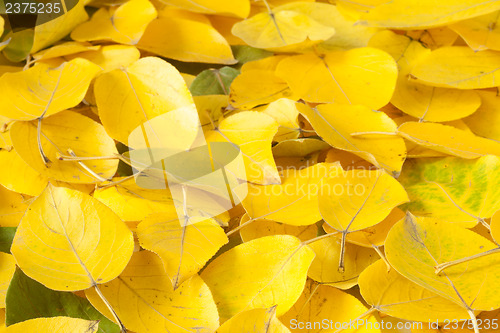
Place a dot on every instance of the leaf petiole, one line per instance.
(439, 268)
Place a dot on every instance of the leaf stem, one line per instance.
(341, 268)
(45, 159)
(439, 268)
(122, 327)
(89, 170)
(382, 256)
(474, 320)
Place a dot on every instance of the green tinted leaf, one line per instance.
(244, 53)
(6, 238)
(28, 299)
(213, 81)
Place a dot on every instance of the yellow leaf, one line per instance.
(48, 33)
(184, 249)
(478, 69)
(416, 245)
(426, 13)
(263, 227)
(254, 321)
(110, 57)
(238, 8)
(128, 202)
(480, 33)
(146, 89)
(324, 268)
(12, 207)
(418, 100)
(63, 131)
(485, 121)
(453, 189)
(132, 202)
(210, 109)
(64, 49)
(286, 114)
(318, 302)
(372, 236)
(253, 132)
(16, 174)
(284, 28)
(336, 124)
(295, 200)
(273, 270)
(256, 87)
(348, 34)
(364, 76)
(358, 199)
(124, 24)
(143, 297)
(448, 140)
(54, 325)
(393, 294)
(7, 269)
(42, 91)
(186, 40)
(69, 241)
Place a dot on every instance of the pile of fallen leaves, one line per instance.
(251, 166)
